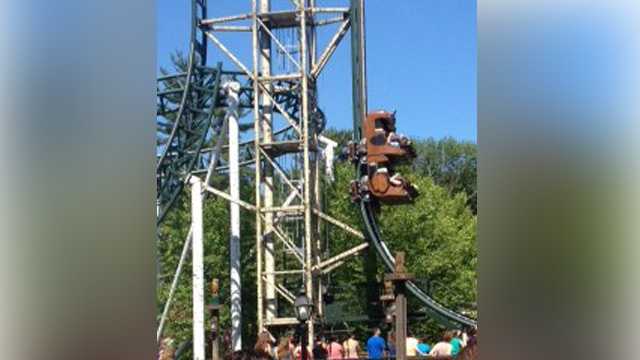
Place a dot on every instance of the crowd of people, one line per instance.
(454, 344)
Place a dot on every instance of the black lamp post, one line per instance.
(304, 309)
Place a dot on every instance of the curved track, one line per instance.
(186, 104)
(189, 128)
(435, 309)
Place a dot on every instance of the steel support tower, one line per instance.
(288, 95)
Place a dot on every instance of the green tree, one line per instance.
(451, 164)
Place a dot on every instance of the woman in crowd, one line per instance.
(284, 349)
(351, 347)
(263, 345)
(319, 349)
(334, 349)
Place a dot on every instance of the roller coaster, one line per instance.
(197, 106)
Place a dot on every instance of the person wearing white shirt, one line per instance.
(443, 348)
(412, 345)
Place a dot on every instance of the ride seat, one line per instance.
(391, 189)
(382, 143)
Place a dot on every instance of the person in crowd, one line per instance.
(260, 355)
(472, 334)
(391, 344)
(443, 348)
(423, 347)
(375, 345)
(167, 349)
(465, 337)
(411, 345)
(263, 345)
(351, 347)
(335, 350)
(246, 355)
(298, 349)
(470, 352)
(283, 351)
(319, 349)
(456, 343)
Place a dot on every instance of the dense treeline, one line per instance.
(438, 233)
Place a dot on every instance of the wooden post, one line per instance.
(401, 322)
(399, 278)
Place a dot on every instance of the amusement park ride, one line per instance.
(287, 153)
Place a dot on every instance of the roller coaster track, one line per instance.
(433, 308)
(186, 103)
(359, 83)
(187, 120)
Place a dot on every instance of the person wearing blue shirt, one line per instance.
(375, 345)
(456, 343)
(423, 348)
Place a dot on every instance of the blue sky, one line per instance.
(421, 61)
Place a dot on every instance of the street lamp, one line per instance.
(303, 308)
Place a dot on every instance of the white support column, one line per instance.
(233, 90)
(197, 269)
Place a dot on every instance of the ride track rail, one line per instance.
(373, 235)
(193, 95)
(437, 310)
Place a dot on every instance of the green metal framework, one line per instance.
(183, 128)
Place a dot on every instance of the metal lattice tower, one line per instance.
(288, 169)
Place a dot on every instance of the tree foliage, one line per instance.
(437, 232)
(451, 164)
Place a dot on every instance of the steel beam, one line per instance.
(341, 256)
(230, 198)
(174, 284)
(331, 48)
(339, 224)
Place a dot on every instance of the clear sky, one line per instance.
(421, 59)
